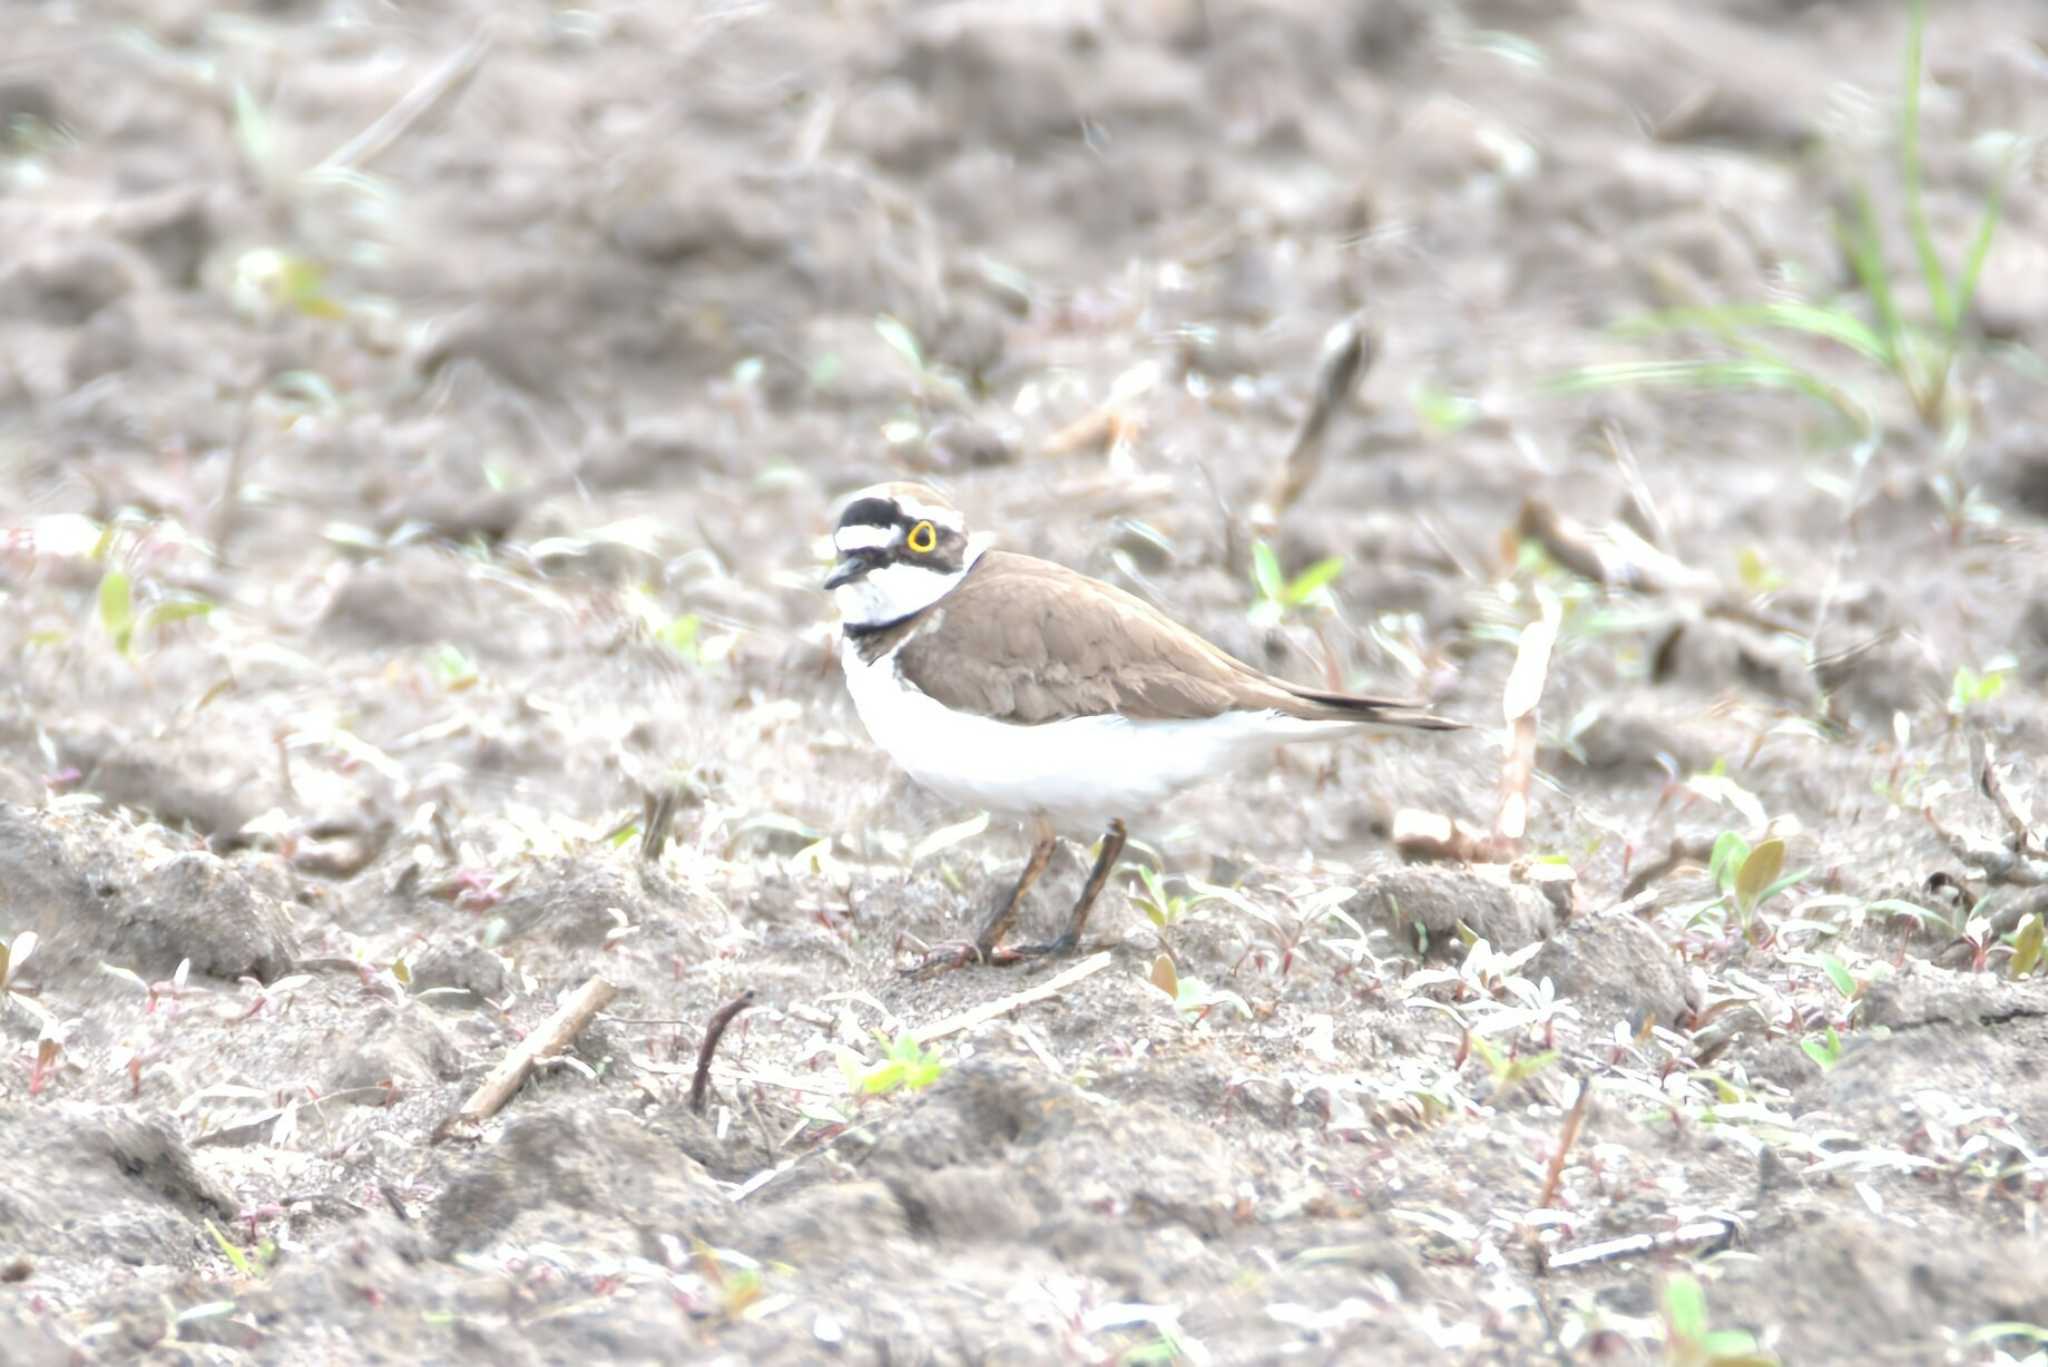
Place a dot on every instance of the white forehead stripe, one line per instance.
(860, 537)
(924, 512)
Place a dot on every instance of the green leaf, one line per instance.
(1759, 867)
(1737, 373)
(1311, 580)
(900, 339)
(302, 283)
(945, 837)
(1838, 974)
(231, 1250)
(1733, 1348)
(679, 634)
(2008, 1329)
(1932, 273)
(1726, 320)
(117, 609)
(1528, 1066)
(252, 130)
(175, 610)
(1826, 1051)
(908, 1064)
(1863, 244)
(454, 668)
(1980, 244)
(1685, 1308)
(2026, 945)
(1266, 572)
(1441, 411)
(1755, 572)
(1731, 851)
(1782, 883)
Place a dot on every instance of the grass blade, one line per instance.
(1865, 247)
(1931, 269)
(1980, 245)
(1814, 320)
(1306, 584)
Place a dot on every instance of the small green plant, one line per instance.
(1279, 595)
(454, 669)
(1508, 1071)
(1970, 688)
(679, 634)
(1919, 355)
(118, 617)
(907, 1064)
(1163, 908)
(1442, 412)
(1824, 1049)
(1747, 876)
(1194, 998)
(733, 1278)
(1691, 1341)
(249, 1265)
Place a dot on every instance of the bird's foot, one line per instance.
(1065, 946)
(949, 955)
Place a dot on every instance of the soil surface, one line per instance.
(419, 429)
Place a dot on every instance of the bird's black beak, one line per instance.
(852, 566)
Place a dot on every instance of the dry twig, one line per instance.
(1349, 353)
(1993, 860)
(1574, 1121)
(714, 1031)
(1700, 1236)
(1985, 762)
(1003, 1006)
(433, 90)
(552, 1037)
(1615, 557)
(1681, 853)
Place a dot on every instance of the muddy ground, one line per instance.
(418, 428)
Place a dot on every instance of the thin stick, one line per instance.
(1003, 1006)
(1519, 699)
(714, 1030)
(1985, 761)
(1351, 350)
(429, 94)
(1573, 1122)
(1704, 1235)
(1641, 511)
(1997, 863)
(1682, 852)
(554, 1035)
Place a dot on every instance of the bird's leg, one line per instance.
(1105, 864)
(987, 946)
(1044, 841)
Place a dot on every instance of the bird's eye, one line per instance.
(923, 537)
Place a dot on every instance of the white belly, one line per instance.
(1078, 773)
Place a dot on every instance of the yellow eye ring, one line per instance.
(923, 538)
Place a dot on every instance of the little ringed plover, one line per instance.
(1017, 685)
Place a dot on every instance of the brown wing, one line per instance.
(1029, 641)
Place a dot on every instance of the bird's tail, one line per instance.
(1320, 706)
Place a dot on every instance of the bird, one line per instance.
(1017, 685)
